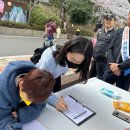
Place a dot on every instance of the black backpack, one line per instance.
(38, 52)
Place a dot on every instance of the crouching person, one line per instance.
(24, 90)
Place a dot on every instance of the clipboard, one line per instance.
(77, 111)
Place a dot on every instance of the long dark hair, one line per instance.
(80, 45)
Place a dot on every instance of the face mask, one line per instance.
(71, 65)
(26, 101)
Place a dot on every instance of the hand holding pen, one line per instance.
(61, 105)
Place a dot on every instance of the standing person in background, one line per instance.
(51, 28)
(65, 25)
(76, 53)
(104, 37)
(46, 30)
(93, 72)
(119, 58)
(98, 27)
(58, 30)
(78, 31)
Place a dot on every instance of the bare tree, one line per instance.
(31, 9)
(62, 9)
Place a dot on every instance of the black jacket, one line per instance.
(114, 51)
(103, 42)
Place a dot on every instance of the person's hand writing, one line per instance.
(61, 105)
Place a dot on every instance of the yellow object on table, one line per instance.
(124, 106)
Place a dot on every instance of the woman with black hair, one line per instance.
(75, 53)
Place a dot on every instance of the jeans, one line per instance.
(50, 37)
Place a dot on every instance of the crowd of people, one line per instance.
(25, 88)
(111, 60)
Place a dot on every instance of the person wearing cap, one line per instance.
(119, 58)
(104, 37)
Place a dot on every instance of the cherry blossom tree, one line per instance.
(118, 7)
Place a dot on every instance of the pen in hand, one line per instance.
(61, 105)
(64, 103)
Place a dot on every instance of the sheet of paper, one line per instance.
(76, 111)
(34, 125)
(74, 108)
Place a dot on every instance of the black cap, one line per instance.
(109, 17)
